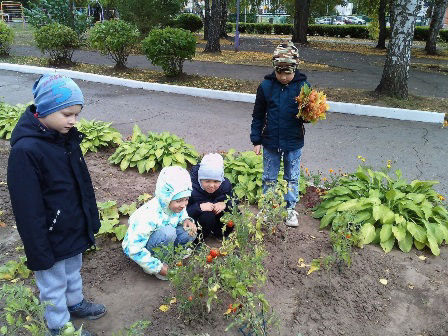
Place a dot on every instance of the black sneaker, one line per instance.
(87, 310)
(69, 325)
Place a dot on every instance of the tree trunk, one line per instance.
(214, 28)
(394, 81)
(382, 24)
(206, 18)
(301, 15)
(436, 24)
(223, 32)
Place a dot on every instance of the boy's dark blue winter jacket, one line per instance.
(199, 195)
(274, 121)
(51, 193)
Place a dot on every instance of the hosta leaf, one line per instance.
(158, 153)
(417, 198)
(362, 216)
(327, 219)
(167, 160)
(400, 233)
(394, 194)
(418, 232)
(419, 245)
(141, 166)
(388, 244)
(348, 205)
(120, 231)
(368, 233)
(386, 232)
(432, 244)
(405, 244)
(124, 164)
(319, 213)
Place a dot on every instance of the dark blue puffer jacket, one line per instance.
(274, 121)
(199, 195)
(51, 193)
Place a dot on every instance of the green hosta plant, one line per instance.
(97, 134)
(110, 220)
(389, 210)
(9, 116)
(245, 171)
(153, 151)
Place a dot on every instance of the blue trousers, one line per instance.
(271, 168)
(60, 285)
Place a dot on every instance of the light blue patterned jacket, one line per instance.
(156, 214)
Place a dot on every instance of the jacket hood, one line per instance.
(298, 76)
(171, 181)
(29, 126)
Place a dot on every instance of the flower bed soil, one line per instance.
(348, 301)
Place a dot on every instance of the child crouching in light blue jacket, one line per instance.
(161, 221)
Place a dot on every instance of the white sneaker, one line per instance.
(291, 219)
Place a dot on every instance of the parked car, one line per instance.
(323, 21)
(355, 20)
(338, 22)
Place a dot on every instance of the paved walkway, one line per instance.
(419, 149)
(359, 71)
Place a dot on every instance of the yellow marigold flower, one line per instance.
(331, 171)
(388, 166)
(306, 170)
(441, 197)
(359, 157)
(324, 178)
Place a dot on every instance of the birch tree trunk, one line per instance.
(214, 28)
(382, 25)
(394, 81)
(301, 15)
(436, 24)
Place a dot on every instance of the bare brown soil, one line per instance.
(346, 301)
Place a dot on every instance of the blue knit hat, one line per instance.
(54, 92)
(211, 168)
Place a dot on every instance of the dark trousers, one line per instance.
(211, 224)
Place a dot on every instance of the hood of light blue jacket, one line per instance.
(172, 180)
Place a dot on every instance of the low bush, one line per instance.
(282, 29)
(9, 116)
(388, 210)
(153, 151)
(115, 38)
(58, 41)
(421, 33)
(263, 28)
(6, 38)
(169, 48)
(97, 134)
(189, 22)
(444, 35)
(354, 31)
(230, 27)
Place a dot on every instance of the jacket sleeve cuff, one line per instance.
(256, 143)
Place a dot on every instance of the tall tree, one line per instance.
(224, 14)
(206, 18)
(214, 28)
(439, 7)
(301, 15)
(382, 35)
(394, 81)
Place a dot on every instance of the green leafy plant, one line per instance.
(169, 48)
(115, 38)
(228, 279)
(14, 269)
(97, 134)
(58, 41)
(244, 170)
(187, 21)
(110, 220)
(389, 210)
(6, 38)
(153, 151)
(9, 116)
(139, 328)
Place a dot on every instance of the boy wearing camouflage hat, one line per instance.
(276, 127)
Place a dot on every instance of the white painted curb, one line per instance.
(358, 109)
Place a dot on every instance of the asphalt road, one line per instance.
(419, 149)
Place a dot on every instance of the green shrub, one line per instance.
(153, 151)
(444, 35)
(230, 27)
(354, 31)
(263, 28)
(421, 33)
(9, 116)
(115, 38)
(191, 22)
(6, 38)
(97, 134)
(389, 210)
(242, 27)
(169, 48)
(282, 29)
(58, 41)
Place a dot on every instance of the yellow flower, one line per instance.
(331, 171)
(306, 170)
(388, 166)
(441, 197)
(359, 157)
(324, 178)
(363, 160)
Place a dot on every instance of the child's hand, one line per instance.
(207, 206)
(164, 270)
(257, 149)
(190, 227)
(219, 207)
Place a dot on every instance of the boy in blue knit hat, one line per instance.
(53, 199)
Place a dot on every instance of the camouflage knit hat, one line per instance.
(286, 53)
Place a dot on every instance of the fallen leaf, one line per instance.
(313, 268)
(2, 224)
(228, 311)
(383, 281)
(422, 257)
(173, 300)
(164, 308)
(313, 237)
(411, 286)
